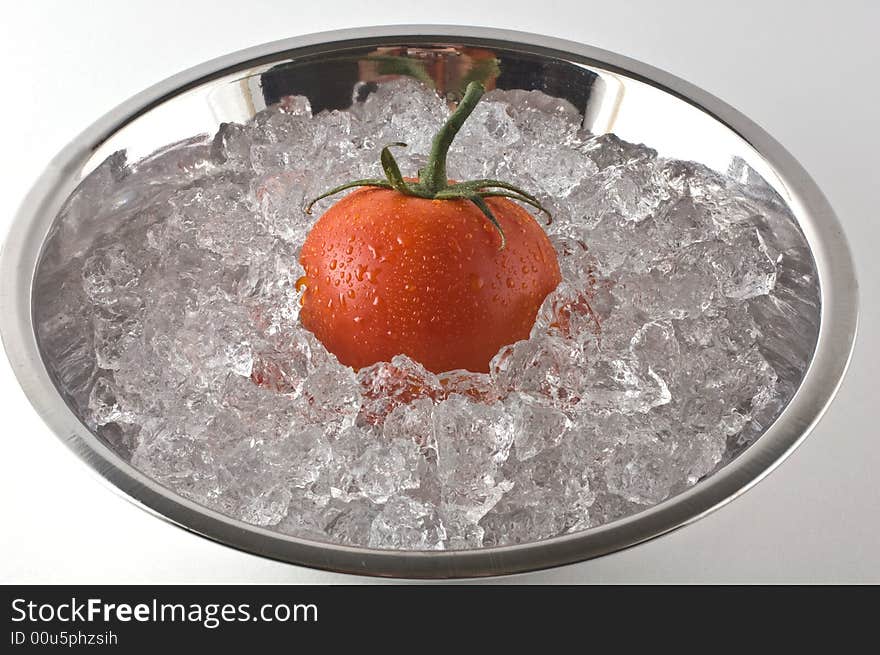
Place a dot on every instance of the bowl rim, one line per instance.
(838, 325)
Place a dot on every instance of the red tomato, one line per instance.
(389, 273)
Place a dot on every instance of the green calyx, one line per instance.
(432, 182)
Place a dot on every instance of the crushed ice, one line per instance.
(167, 312)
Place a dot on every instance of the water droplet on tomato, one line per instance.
(510, 283)
(477, 282)
(333, 265)
(375, 301)
(301, 283)
(351, 294)
(359, 272)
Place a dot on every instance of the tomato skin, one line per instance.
(388, 273)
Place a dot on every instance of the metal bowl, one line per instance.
(635, 101)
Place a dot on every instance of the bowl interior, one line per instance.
(610, 100)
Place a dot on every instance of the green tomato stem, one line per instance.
(434, 178)
(433, 182)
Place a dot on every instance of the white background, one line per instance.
(807, 72)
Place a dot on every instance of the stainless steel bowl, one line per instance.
(635, 101)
